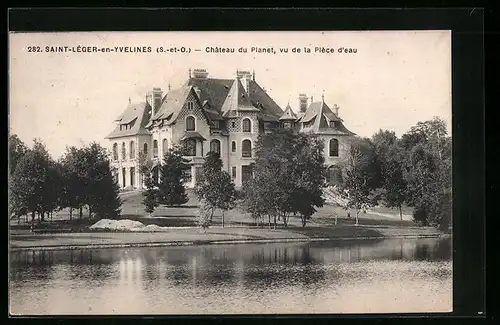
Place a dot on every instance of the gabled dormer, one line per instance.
(289, 118)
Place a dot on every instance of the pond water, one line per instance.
(396, 275)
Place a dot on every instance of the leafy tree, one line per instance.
(391, 157)
(361, 176)
(74, 179)
(394, 184)
(17, 149)
(145, 165)
(150, 199)
(102, 192)
(29, 183)
(288, 176)
(171, 187)
(215, 185)
(428, 172)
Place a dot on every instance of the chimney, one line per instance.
(245, 77)
(303, 102)
(157, 97)
(200, 74)
(149, 98)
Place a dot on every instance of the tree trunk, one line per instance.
(284, 220)
(304, 220)
(274, 222)
(70, 213)
(211, 214)
(32, 220)
(357, 220)
(222, 218)
(51, 216)
(269, 218)
(42, 216)
(81, 213)
(400, 213)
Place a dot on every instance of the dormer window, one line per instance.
(333, 124)
(216, 124)
(190, 105)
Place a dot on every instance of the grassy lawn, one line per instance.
(186, 215)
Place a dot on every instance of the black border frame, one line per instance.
(467, 25)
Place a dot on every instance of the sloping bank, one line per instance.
(127, 233)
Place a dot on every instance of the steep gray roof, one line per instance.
(136, 116)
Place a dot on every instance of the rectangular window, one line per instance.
(246, 173)
(124, 178)
(233, 172)
(216, 124)
(132, 176)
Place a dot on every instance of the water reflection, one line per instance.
(192, 276)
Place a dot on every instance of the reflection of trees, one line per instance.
(36, 265)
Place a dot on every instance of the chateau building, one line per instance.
(223, 115)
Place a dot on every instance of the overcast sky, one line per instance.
(395, 79)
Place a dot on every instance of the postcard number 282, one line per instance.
(34, 49)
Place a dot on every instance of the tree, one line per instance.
(17, 149)
(74, 176)
(150, 199)
(101, 188)
(391, 158)
(145, 165)
(428, 172)
(394, 184)
(29, 183)
(288, 176)
(361, 176)
(171, 187)
(215, 185)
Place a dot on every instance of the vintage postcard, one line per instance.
(253, 173)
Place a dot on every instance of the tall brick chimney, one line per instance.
(245, 77)
(157, 97)
(303, 102)
(200, 73)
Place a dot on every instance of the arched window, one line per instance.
(124, 151)
(246, 148)
(190, 123)
(155, 148)
(132, 150)
(233, 146)
(164, 146)
(334, 148)
(190, 146)
(215, 146)
(145, 148)
(115, 151)
(247, 125)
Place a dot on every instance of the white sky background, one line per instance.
(395, 79)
